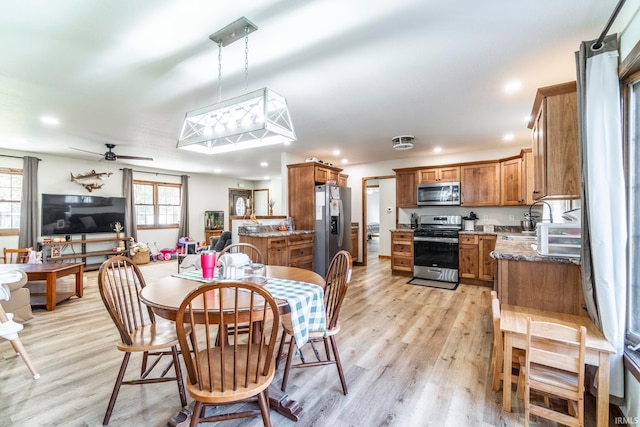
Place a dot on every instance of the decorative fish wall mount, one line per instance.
(92, 180)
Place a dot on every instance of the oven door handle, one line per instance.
(435, 239)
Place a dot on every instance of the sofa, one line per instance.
(20, 300)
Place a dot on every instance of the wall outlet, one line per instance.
(512, 218)
(486, 218)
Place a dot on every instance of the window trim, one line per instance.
(155, 185)
(12, 171)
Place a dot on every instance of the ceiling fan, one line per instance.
(111, 156)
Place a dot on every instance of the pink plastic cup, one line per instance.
(208, 262)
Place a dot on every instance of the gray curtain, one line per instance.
(183, 227)
(130, 204)
(28, 237)
(604, 229)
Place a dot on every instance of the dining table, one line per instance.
(290, 286)
(513, 323)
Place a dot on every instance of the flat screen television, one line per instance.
(69, 214)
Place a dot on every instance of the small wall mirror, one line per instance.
(239, 200)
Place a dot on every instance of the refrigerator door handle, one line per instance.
(341, 224)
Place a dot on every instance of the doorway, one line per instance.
(375, 194)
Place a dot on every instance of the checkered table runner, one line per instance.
(306, 302)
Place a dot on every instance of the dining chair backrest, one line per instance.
(250, 250)
(120, 283)
(336, 282)
(555, 364)
(16, 256)
(229, 368)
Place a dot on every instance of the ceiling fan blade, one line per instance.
(133, 157)
(86, 151)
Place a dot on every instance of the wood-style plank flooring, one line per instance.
(413, 356)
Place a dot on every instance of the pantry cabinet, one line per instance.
(555, 143)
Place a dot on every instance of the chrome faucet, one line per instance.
(548, 205)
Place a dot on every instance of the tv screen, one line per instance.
(69, 214)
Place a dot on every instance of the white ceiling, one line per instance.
(355, 74)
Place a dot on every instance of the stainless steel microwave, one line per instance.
(439, 194)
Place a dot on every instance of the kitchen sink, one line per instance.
(519, 238)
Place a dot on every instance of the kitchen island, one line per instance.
(287, 248)
(528, 279)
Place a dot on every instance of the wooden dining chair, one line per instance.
(242, 367)
(120, 282)
(336, 284)
(555, 365)
(250, 250)
(16, 256)
(497, 356)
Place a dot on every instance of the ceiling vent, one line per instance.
(403, 142)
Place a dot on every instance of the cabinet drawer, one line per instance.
(298, 239)
(278, 243)
(468, 239)
(402, 236)
(402, 263)
(300, 252)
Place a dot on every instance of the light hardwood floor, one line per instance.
(413, 356)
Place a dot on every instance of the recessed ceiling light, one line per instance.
(266, 178)
(508, 137)
(437, 149)
(336, 152)
(264, 164)
(513, 86)
(50, 120)
(345, 161)
(217, 170)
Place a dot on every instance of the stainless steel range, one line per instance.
(435, 248)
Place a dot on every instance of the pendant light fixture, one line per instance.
(255, 119)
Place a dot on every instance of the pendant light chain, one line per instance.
(220, 71)
(246, 58)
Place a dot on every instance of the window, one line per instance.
(157, 204)
(10, 199)
(633, 188)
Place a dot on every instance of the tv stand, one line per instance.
(68, 250)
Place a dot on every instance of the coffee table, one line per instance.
(50, 272)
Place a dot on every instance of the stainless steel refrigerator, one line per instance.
(332, 224)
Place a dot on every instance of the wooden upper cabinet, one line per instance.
(555, 142)
(406, 189)
(527, 175)
(512, 190)
(302, 179)
(342, 179)
(480, 184)
(440, 174)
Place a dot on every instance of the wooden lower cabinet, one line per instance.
(543, 285)
(354, 242)
(208, 234)
(295, 250)
(402, 252)
(475, 265)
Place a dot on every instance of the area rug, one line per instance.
(433, 283)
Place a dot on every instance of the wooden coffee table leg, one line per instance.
(80, 281)
(51, 291)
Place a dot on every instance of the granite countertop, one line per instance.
(275, 233)
(517, 250)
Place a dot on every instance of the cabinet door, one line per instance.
(511, 174)
(480, 184)
(468, 261)
(406, 189)
(561, 145)
(342, 180)
(450, 174)
(354, 243)
(486, 244)
(428, 175)
(277, 252)
(527, 177)
(322, 175)
(539, 154)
